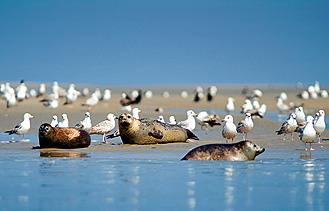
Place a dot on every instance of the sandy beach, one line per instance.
(262, 134)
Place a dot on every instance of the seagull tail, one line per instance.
(191, 135)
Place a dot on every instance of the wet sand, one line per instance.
(263, 133)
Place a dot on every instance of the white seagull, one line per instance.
(245, 126)
(85, 124)
(189, 123)
(135, 113)
(320, 124)
(172, 120)
(54, 121)
(104, 127)
(64, 122)
(229, 128)
(308, 134)
(229, 108)
(23, 127)
(300, 115)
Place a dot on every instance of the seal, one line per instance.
(150, 131)
(66, 138)
(241, 151)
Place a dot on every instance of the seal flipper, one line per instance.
(158, 134)
(191, 135)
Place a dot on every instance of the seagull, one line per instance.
(54, 121)
(92, 101)
(245, 126)
(51, 104)
(64, 122)
(127, 100)
(104, 127)
(320, 124)
(300, 115)
(282, 107)
(135, 113)
(85, 124)
(204, 119)
(189, 123)
(23, 127)
(172, 120)
(50, 97)
(42, 90)
(229, 108)
(21, 90)
(247, 106)
(229, 128)
(161, 119)
(289, 126)
(107, 95)
(308, 134)
(72, 95)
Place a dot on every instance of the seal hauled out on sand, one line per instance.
(241, 151)
(149, 131)
(68, 137)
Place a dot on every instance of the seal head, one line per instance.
(53, 137)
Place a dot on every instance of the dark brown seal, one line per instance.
(55, 137)
(149, 131)
(241, 151)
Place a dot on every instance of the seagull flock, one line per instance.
(308, 127)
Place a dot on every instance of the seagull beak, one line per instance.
(32, 117)
(195, 115)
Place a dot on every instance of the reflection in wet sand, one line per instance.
(64, 154)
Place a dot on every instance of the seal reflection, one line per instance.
(64, 154)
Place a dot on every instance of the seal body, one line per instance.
(241, 151)
(54, 137)
(149, 131)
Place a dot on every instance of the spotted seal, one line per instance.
(54, 137)
(149, 131)
(241, 151)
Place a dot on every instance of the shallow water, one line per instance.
(98, 182)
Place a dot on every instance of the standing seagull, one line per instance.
(104, 127)
(229, 108)
(135, 113)
(54, 121)
(189, 123)
(85, 124)
(23, 127)
(289, 126)
(64, 122)
(300, 115)
(320, 124)
(229, 128)
(172, 120)
(308, 134)
(245, 126)
(204, 119)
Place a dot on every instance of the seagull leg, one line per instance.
(311, 146)
(319, 139)
(284, 137)
(103, 140)
(292, 138)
